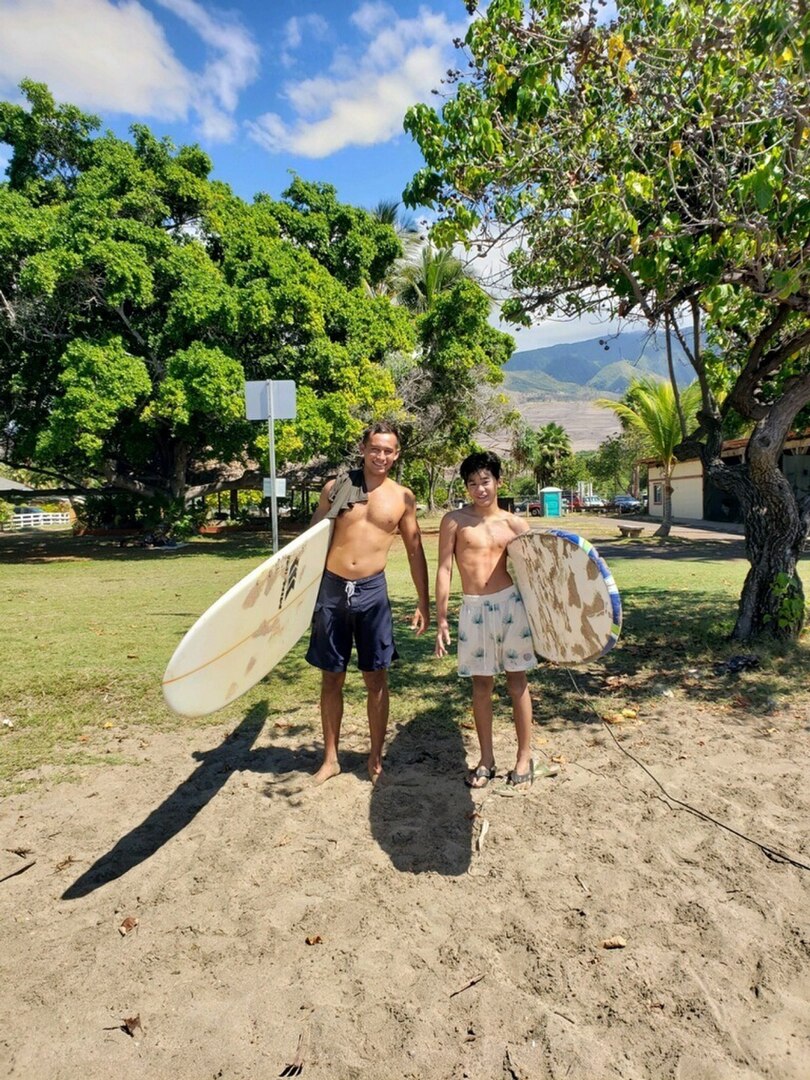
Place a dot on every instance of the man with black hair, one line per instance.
(369, 509)
(493, 630)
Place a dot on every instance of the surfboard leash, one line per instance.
(771, 853)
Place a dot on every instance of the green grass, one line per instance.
(88, 627)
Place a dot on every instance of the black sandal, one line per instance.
(479, 773)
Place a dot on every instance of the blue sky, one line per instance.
(318, 87)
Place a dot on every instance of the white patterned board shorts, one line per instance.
(494, 634)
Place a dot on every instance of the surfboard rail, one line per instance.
(241, 637)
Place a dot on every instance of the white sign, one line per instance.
(267, 488)
(257, 405)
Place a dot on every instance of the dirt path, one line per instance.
(391, 932)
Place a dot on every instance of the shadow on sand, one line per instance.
(177, 811)
(420, 813)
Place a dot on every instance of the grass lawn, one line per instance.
(88, 627)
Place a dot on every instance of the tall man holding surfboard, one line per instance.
(493, 630)
(369, 509)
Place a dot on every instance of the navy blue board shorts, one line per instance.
(352, 612)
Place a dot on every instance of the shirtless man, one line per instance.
(493, 631)
(353, 603)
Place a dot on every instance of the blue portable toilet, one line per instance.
(551, 501)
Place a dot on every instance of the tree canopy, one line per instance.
(137, 295)
(654, 163)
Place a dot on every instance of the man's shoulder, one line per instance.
(399, 491)
(457, 517)
(518, 524)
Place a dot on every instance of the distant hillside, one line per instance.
(587, 369)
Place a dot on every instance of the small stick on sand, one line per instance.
(472, 982)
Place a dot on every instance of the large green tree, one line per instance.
(137, 295)
(655, 163)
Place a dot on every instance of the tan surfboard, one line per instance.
(245, 633)
(571, 600)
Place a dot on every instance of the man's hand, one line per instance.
(420, 620)
(442, 639)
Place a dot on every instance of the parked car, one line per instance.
(625, 504)
(593, 502)
(521, 507)
(535, 508)
(571, 500)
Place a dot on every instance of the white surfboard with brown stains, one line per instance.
(242, 636)
(571, 600)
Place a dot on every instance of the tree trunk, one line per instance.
(772, 598)
(433, 480)
(666, 510)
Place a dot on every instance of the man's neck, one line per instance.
(373, 482)
(487, 511)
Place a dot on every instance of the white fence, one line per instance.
(31, 521)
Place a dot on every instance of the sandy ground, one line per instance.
(415, 929)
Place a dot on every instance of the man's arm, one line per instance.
(322, 509)
(412, 538)
(444, 574)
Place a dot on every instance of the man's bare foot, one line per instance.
(375, 770)
(326, 772)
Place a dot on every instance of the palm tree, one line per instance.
(404, 224)
(651, 407)
(417, 282)
(552, 445)
(541, 450)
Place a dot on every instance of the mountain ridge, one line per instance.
(560, 383)
(596, 366)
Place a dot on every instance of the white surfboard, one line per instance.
(242, 636)
(571, 599)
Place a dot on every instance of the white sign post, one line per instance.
(271, 400)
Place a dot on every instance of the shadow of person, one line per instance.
(178, 810)
(420, 812)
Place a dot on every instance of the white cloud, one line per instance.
(295, 30)
(362, 100)
(299, 25)
(95, 55)
(116, 58)
(369, 17)
(233, 66)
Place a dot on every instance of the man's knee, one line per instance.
(516, 683)
(483, 684)
(376, 681)
(332, 681)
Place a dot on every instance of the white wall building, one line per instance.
(687, 489)
(694, 497)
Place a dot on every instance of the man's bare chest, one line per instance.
(377, 514)
(485, 536)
